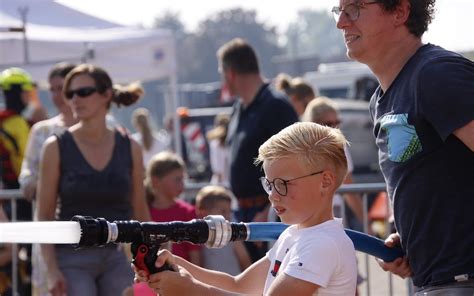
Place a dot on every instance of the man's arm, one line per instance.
(466, 134)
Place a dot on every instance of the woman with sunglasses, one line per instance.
(91, 170)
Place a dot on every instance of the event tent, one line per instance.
(55, 33)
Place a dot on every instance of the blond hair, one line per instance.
(160, 165)
(219, 131)
(209, 195)
(164, 163)
(295, 86)
(317, 108)
(315, 146)
(142, 122)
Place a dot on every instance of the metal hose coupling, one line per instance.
(221, 231)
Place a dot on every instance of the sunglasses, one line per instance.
(80, 92)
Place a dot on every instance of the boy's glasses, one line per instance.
(80, 92)
(352, 11)
(280, 185)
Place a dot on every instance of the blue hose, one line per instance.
(267, 231)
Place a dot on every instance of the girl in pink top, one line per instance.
(165, 183)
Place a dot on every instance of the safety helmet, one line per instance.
(12, 76)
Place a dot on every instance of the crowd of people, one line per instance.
(279, 156)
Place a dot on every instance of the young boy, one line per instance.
(304, 164)
(233, 258)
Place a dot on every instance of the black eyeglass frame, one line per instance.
(265, 182)
(337, 10)
(81, 92)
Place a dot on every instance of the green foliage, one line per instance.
(313, 33)
(197, 60)
(172, 21)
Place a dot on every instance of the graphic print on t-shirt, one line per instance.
(401, 137)
(276, 267)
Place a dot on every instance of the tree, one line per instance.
(172, 21)
(314, 33)
(197, 59)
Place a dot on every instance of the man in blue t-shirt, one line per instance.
(259, 113)
(423, 112)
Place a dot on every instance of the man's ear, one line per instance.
(402, 12)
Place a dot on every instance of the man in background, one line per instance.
(259, 113)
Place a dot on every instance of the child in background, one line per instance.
(151, 141)
(218, 152)
(304, 164)
(164, 183)
(233, 258)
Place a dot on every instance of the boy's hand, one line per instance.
(180, 282)
(164, 256)
(399, 266)
(140, 275)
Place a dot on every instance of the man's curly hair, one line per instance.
(421, 14)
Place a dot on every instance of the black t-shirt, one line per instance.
(429, 172)
(249, 128)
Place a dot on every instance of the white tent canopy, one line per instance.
(56, 33)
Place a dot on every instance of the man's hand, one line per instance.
(399, 266)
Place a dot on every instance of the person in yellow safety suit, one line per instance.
(14, 129)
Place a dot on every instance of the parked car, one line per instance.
(351, 80)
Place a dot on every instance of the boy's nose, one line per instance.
(274, 196)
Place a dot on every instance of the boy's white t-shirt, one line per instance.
(322, 254)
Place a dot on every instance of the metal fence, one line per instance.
(371, 286)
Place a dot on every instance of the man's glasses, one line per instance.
(352, 11)
(80, 92)
(280, 185)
